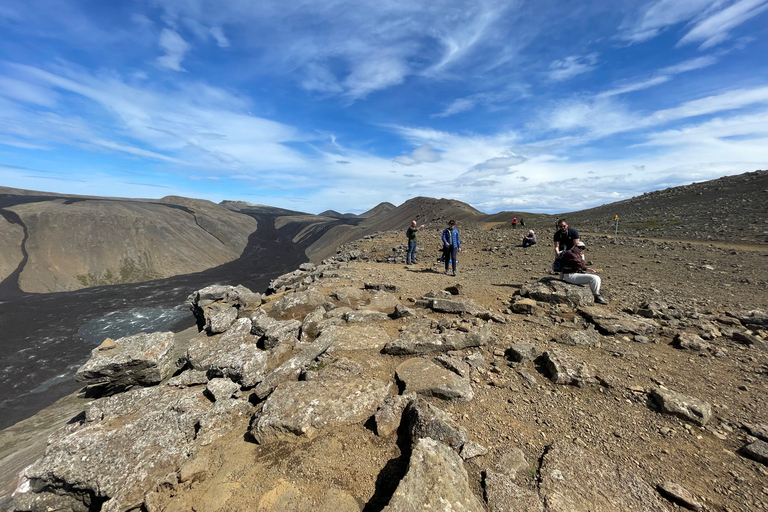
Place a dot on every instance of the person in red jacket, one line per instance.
(575, 270)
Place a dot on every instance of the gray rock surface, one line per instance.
(453, 306)
(384, 301)
(357, 336)
(564, 369)
(679, 495)
(292, 368)
(233, 354)
(685, 407)
(143, 359)
(298, 303)
(221, 389)
(504, 495)
(580, 337)
(608, 321)
(425, 420)
(426, 378)
(364, 315)
(758, 451)
(436, 480)
(521, 352)
(301, 410)
(127, 444)
(390, 414)
(573, 480)
(420, 338)
(689, 341)
(556, 291)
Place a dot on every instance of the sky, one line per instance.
(534, 106)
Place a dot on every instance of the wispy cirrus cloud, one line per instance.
(569, 67)
(175, 49)
(715, 28)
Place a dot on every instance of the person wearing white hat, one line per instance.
(575, 270)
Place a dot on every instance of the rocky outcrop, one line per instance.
(556, 291)
(425, 378)
(140, 360)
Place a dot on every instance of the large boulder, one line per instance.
(143, 359)
(301, 410)
(556, 291)
(423, 420)
(426, 378)
(436, 480)
(573, 480)
(125, 446)
(216, 307)
(233, 354)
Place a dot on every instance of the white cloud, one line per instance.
(714, 29)
(218, 35)
(569, 67)
(373, 74)
(174, 47)
(662, 14)
(689, 65)
(420, 155)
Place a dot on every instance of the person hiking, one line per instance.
(514, 222)
(451, 245)
(413, 236)
(575, 271)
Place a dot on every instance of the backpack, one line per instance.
(557, 265)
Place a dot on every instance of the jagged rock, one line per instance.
(298, 303)
(350, 295)
(436, 480)
(143, 359)
(747, 339)
(521, 352)
(685, 407)
(188, 378)
(510, 463)
(364, 315)
(403, 312)
(233, 354)
(573, 480)
(419, 338)
(291, 369)
(302, 409)
(453, 306)
(312, 324)
(338, 312)
(390, 414)
(219, 318)
(221, 389)
(688, 341)
(215, 307)
(272, 332)
(587, 336)
(556, 291)
(504, 495)
(287, 281)
(125, 447)
(454, 364)
(471, 449)
(524, 306)
(357, 336)
(328, 369)
(383, 301)
(425, 378)
(563, 369)
(613, 322)
(757, 430)
(386, 287)
(679, 495)
(221, 418)
(426, 421)
(653, 309)
(757, 450)
(756, 317)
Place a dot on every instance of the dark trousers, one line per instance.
(450, 252)
(410, 256)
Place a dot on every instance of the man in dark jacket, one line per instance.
(575, 271)
(413, 238)
(451, 245)
(565, 237)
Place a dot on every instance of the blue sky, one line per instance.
(541, 106)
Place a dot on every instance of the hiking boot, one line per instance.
(447, 273)
(454, 274)
(600, 300)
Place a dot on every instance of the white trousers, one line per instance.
(591, 279)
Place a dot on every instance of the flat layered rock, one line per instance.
(298, 303)
(436, 480)
(301, 410)
(125, 447)
(360, 336)
(556, 291)
(233, 354)
(140, 360)
(758, 451)
(426, 378)
(292, 368)
(420, 338)
(562, 368)
(453, 306)
(424, 420)
(580, 337)
(685, 407)
(612, 322)
(364, 315)
(573, 480)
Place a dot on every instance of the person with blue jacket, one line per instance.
(451, 245)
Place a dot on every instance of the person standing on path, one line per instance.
(413, 236)
(575, 271)
(565, 237)
(451, 245)
(514, 222)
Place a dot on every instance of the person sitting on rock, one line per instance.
(575, 271)
(529, 239)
